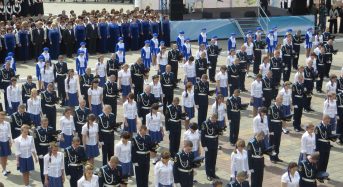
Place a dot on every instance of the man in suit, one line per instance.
(37, 37)
(92, 35)
(69, 40)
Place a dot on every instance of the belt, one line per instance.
(110, 95)
(243, 61)
(320, 64)
(340, 90)
(44, 144)
(60, 74)
(174, 60)
(185, 170)
(276, 68)
(26, 95)
(111, 69)
(146, 107)
(267, 89)
(234, 76)
(6, 80)
(286, 55)
(75, 165)
(49, 105)
(323, 140)
(340, 106)
(208, 136)
(17, 128)
(308, 180)
(201, 68)
(136, 74)
(167, 85)
(258, 49)
(299, 96)
(296, 44)
(110, 185)
(173, 120)
(142, 152)
(80, 123)
(202, 94)
(212, 55)
(308, 79)
(328, 53)
(256, 156)
(104, 130)
(235, 110)
(275, 120)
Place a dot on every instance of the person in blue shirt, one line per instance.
(10, 40)
(270, 42)
(120, 44)
(231, 43)
(309, 38)
(120, 56)
(103, 35)
(81, 62)
(40, 65)
(275, 36)
(154, 47)
(145, 30)
(55, 39)
(84, 49)
(180, 40)
(146, 54)
(134, 35)
(187, 49)
(114, 32)
(166, 31)
(125, 30)
(23, 43)
(248, 35)
(202, 39)
(13, 64)
(46, 54)
(80, 32)
(258, 32)
(154, 25)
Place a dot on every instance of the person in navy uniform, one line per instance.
(103, 35)
(297, 40)
(339, 130)
(107, 126)
(113, 66)
(55, 39)
(242, 67)
(329, 51)
(92, 35)
(212, 52)
(68, 40)
(18, 119)
(166, 30)
(321, 61)
(201, 66)
(309, 78)
(110, 93)
(80, 116)
(240, 180)
(114, 32)
(49, 101)
(80, 32)
(111, 174)
(125, 30)
(323, 146)
(138, 73)
(37, 35)
(276, 66)
(43, 136)
(168, 83)
(26, 89)
(210, 131)
(275, 116)
(6, 75)
(268, 89)
(142, 145)
(173, 59)
(234, 115)
(201, 93)
(287, 57)
(85, 83)
(60, 71)
(134, 35)
(298, 95)
(74, 158)
(10, 40)
(23, 42)
(233, 76)
(308, 170)
(144, 102)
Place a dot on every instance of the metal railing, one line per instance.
(239, 27)
(262, 18)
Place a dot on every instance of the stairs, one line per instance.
(247, 24)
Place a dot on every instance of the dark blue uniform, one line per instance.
(17, 120)
(323, 132)
(80, 34)
(154, 27)
(308, 173)
(43, 137)
(48, 101)
(296, 47)
(85, 83)
(61, 70)
(339, 85)
(125, 30)
(104, 35)
(233, 77)
(166, 32)
(213, 52)
(168, 83)
(201, 92)
(173, 61)
(23, 36)
(298, 94)
(144, 102)
(55, 38)
(140, 152)
(73, 160)
(209, 138)
(234, 114)
(339, 99)
(10, 42)
(134, 33)
(145, 31)
(200, 67)
(26, 91)
(255, 151)
(328, 53)
(110, 94)
(5, 81)
(238, 184)
(114, 32)
(275, 116)
(138, 72)
(109, 176)
(173, 125)
(183, 168)
(268, 89)
(309, 77)
(107, 125)
(80, 118)
(321, 61)
(276, 66)
(287, 57)
(113, 67)
(242, 69)
(258, 47)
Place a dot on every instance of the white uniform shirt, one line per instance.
(147, 52)
(34, 106)
(220, 111)
(82, 60)
(130, 110)
(249, 48)
(120, 57)
(291, 181)
(331, 87)
(286, 96)
(94, 182)
(193, 137)
(308, 143)
(156, 89)
(239, 162)
(162, 59)
(24, 147)
(123, 152)
(5, 132)
(125, 77)
(222, 78)
(164, 173)
(100, 68)
(46, 55)
(189, 100)
(92, 135)
(73, 85)
(47, 74)
(204, 37)
(154, 121)
(67, 125)
(230, 60)
(256, 89)
(330, 108)
(54, 164)
(190, 69)
(188, 48)
(259, 125)
(264, 69)
(13, 95)
(95, 93)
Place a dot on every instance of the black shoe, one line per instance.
(244, 90)
(319, 91)
(311, 110)
(219, 147)
(285, 131)
(209, 178)
(306, 111)
(216, 177)
(301, 129)
(278, 159)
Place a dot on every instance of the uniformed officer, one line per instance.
(259, 45)
(49, 101)
(275, 116)
(233, 108)
(140, 156)
(323, 133)
(61, 70)
(276, 66)
(309, 78)
(138, 73)
(212, 52)
(298, 95)
(112, 66)
(321, 61)
(297, 40)
(110, 94)
(209, 140)
(240, 180)
(201, 93)
(144, 102)
(339, 130)
(6, 75)
(19, 118)
(80, 116)
(43, 136)
(308, 170)
(85, 83)
(111, 173)
(233, 76)
(329, 50)
(173, 59)
(340, 83)
(287, 58)
(243, 65)
(26, 89)
(268, 89)
(107, 125)
(74, 158)
(168, 83)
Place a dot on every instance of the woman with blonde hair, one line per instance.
(88, 179)
(54, 167)
(90, 138)
(239, 159)
(34, 107)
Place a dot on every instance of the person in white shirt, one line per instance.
(67, 128)
(25, 148)
(100, 70)
(54, 167)
(308, 142)
(47, 74)
(164, 171)
(122, 150)
(14, 97)
(231, 57)
(124, 81)
(256, 94)
(193, 135)
(72, 89)
(300, 71)
(188, 103)
(130, 114)
(222, 81)
(95, 94)
(88, 179)
(218, 108)
(250, 52)
(90, 138)
(286, 94)
(330, 109)
(239, 160)
(199, 54)
(265, 66)
(156, 88)
(154, 124)
(162, 60)
(190, 72)
(5, 142)
(331, 86)
(34, 107)
(291, 178)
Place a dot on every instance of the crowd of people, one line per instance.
(150, 109)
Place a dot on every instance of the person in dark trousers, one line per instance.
(233, 76)
(26, 89)
(321, 61)
(298, 95)
(138, 74)
(68, 40)
(144, 103)
(297, 40)
(243, 65)
(333, 13)
(268, 88)
(234, 115)
(6, 75)
(80, 116)
(111, 174)
(168, 83)
(287, 57)
(329, 51)
(201, 93)
(92, 36)
(308, 170)
(110, 93)
(259, 45)
(276, 66)
(37, 36)
(309, 78)
(323, 134)
(49, 101)
(18, 119)
(212, 52)
(61, 70)
(256, 149)
(85, 83)
(174, 56)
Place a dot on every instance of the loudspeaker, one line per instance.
(176, 10)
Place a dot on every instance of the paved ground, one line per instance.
(290, 144)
